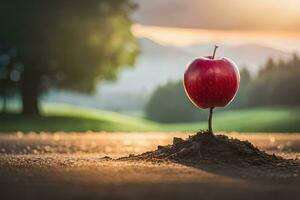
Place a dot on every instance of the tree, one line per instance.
(67, 44)
(170, 104)
(277, 84)
(10, 72)
(241, 99)
(269, 66)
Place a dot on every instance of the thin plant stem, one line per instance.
(210, 129)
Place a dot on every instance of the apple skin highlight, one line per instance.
(210, 82)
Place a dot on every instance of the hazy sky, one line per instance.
(221, 14)
(273, 23)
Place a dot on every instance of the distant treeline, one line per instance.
(276, 84)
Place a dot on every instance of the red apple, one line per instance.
(211, 82)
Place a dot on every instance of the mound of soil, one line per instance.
(219, 151)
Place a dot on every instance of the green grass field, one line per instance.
(59, 117)
(251, 120)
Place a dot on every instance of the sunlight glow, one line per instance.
(184, 37)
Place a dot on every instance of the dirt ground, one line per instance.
(74, 166)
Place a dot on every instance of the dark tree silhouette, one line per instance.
(169, 104)
(66, 44)
(277, 84)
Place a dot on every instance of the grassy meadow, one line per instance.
(60, 117)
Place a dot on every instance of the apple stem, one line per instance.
(210, 130)
(213, 57)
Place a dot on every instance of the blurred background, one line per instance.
(117, 65)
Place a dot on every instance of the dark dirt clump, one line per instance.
(218, 151)
(213, 148)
